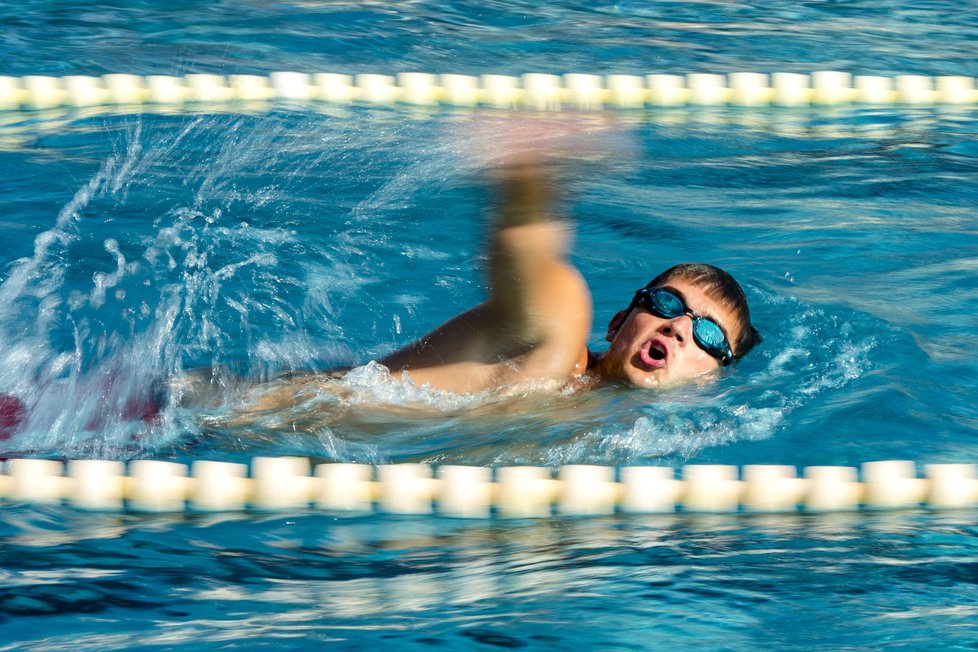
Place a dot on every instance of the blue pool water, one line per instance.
(137, 246)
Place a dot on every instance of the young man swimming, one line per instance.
(534, 327)
(688, 321)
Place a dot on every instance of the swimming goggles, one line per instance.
(706, 333)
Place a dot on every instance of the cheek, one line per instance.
(696, 363)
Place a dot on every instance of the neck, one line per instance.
(591, 358)
(585, 361)
(588, 370)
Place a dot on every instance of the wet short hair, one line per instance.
(723, 288)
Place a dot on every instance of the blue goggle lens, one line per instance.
(709, 334)
(667, 304)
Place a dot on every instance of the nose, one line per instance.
(678, 327)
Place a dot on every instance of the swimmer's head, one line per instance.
(724, 288)
(687, 321)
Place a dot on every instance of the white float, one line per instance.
(532, 90)
(285, 483)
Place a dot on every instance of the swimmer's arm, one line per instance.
(539, 308)
(537, 298)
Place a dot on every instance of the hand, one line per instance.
(502, 142)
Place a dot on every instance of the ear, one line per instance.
(615, 324)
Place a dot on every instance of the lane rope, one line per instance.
(530, 91)
(289, 483)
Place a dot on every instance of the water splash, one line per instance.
(193, 281)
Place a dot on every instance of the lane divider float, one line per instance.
(530, 91)
(291, 483)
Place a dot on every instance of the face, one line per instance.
(651, 351)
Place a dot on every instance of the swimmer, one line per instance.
(533, 328)
(690, 320)
(529, 334)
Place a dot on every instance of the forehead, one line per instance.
(705, 305)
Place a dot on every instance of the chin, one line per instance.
(667, 381)
(644, 380)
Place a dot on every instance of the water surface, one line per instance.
(293, 237)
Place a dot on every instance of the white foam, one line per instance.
(374, 383)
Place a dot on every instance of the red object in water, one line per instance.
(13, 413)
(145, 404)
(145, 409)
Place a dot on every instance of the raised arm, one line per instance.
(537, 319)
(534, 293)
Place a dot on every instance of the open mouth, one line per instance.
(653, 355)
